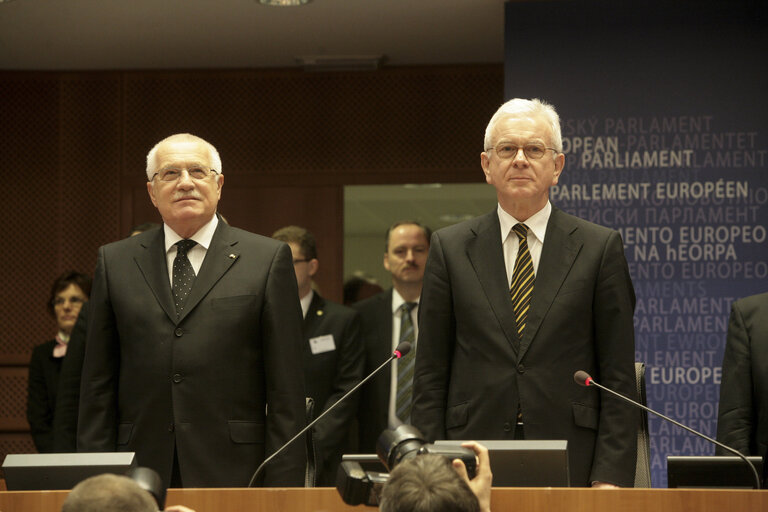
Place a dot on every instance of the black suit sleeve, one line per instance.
(333, 430)
(68, 398)
(735, 422)
(282, 335)
(435, 346)
(39, 406)
(614, 304)
(97, 415)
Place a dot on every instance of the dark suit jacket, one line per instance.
(41, 397)
(742, 421)
(330, 374)
(376, 329)
(68, 399)
(200, 384)
(472, 370)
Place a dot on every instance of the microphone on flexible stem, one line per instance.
(402, 349)
(582, 378)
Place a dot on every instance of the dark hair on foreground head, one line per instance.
(62, 282)
(425, 229)
(427, 483)
(299, 236)
(358, 287)
(113, 493)
(144, 226)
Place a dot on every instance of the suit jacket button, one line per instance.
(179, 332)
(170, 427)
(507, 427)
(177, 378)
(520, 368)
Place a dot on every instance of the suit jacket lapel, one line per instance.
(221, 255)
(312, 319)
(385, 323)
(557, 257)
(487, 257)
(152, 263)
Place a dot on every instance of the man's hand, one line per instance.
(481, 484)
(603, 485)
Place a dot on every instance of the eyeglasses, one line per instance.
(170, 174)
(532, 150)
(60, 301)
(300, 261)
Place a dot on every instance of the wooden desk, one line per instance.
(503, 500)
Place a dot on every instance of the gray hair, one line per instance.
(115, 493)
(213, 155)
(427, 483)
(534, 107)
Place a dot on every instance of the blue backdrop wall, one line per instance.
(664, 114)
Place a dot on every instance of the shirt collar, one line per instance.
(203, 236)
(537, 223)
(398, 300)
(306, 302)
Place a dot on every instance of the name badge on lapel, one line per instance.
(321, 344)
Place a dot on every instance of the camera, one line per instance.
(358, 485)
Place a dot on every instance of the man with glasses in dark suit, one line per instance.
(194, 338)
(516, 301)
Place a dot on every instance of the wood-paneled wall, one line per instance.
(73, 148)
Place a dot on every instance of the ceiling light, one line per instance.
(340, 62)
(284, 3)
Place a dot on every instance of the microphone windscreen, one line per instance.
(582, 378)
(402, 349)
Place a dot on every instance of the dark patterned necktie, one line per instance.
(183, 274)
(406, 364)
(521, 289)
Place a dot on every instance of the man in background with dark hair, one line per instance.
(387, 319)
(332, 355)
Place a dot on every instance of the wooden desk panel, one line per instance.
(503, 500)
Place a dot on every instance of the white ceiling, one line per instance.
(192, 34)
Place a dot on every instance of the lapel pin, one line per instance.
(232, 256)
(319, 312)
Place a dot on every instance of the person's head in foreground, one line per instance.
(433, 483)
(107, 492)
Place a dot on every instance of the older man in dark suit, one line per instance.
(516, 301)
(194, 338)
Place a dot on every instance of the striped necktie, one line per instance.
(521, 289)
(406, 364)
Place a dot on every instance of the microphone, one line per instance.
(402, 349)
(582, 378)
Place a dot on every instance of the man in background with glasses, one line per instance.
(193, 333)
(516, 301)
(333, 357)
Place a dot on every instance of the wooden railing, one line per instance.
(503, 500)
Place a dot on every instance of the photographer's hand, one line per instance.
(481, 484)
